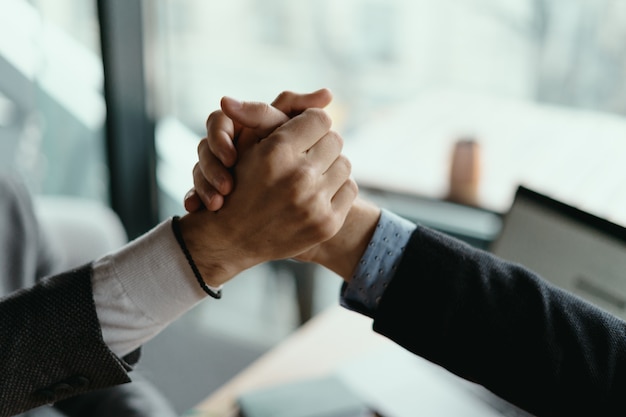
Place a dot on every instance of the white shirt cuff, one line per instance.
(378, 265)
(141, 288)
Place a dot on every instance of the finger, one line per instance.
(303, 131)
(325, 151)
(260, 118)
(212, 169)
(336, 175)
(293, 104)
(340, 205)
(192, 202)
(221, 134)
(209, 196)
(344, 197)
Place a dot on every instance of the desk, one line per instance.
(394, 381)
(315, 349)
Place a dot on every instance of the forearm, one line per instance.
(500, 325)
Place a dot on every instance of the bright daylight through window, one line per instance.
(539, 85)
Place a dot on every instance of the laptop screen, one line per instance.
(574, 250)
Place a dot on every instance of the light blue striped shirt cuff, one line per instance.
(378, 264)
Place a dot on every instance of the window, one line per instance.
(538, 84)
(52, 110)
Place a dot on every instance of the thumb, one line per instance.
(260, 119)
(292, 104)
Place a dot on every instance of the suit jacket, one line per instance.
(51, 345)
(504, 327)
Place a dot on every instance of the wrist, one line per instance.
(213, 257)
(342, 253)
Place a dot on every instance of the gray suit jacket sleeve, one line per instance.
(502, 326)
(51, 344)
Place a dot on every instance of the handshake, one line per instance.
(271, 183)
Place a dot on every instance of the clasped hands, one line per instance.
(275, 185)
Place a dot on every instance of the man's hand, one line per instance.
(216, 152)
(246, 125)
(293, 191)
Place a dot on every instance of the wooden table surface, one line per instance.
(315, 349)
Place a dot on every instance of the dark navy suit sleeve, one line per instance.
(51, 344)
(504, 327)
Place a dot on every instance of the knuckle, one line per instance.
(212, 116)
(274, 150)
(317, 218)
(263, 109)
(278, 145)
(337, 138)
(257, 112)
(304, 176)
(320, 115)
(352, 186)
(283, 97)
(202, 145)
(300, 183)
(343, 161)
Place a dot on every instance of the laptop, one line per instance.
(569, 247)
(573, 249)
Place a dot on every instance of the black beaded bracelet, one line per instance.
(194, 268)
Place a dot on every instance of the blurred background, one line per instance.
(105, 101)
